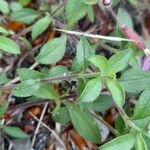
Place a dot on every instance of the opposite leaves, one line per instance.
(119, 61)
(115, 64)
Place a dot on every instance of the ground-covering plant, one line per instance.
(102, 81)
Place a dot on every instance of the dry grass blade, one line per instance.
(52, 131)
(109, 38)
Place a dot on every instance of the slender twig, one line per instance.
(39, 123)
(127, 120)
(111, 49)
(26, 54)
(35, 103)
(53, 132)
(25, 31)
(47, 80)
(94, 35)
(17, 79)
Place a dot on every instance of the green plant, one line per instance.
(118, 75)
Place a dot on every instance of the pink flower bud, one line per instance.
(132, 35)
(106, 2)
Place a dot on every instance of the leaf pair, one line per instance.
(115, 64)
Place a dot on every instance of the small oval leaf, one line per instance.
(15, 132)
(9, 45)
(25, 15)
(52, 51)
(40, 26)
(91, 91)
(116, 91)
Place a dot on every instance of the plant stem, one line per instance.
(111, 49)
(47, 80)
(127, 119)
(111, 129)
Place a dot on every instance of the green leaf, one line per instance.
(26, 88)
(91, 91)
(142, 108)
(84, 123)
(120, 125)
(116, 91)
(3, 78)
(84, 50)
(26, 74)
(124, 18)
(15, 6)
(3, 31)
(3, 108)
(140, 143)
(9, 45)
(57, 71)
(46, 91)
(119, 61)
(24, 2)
(25, 15)
(134, 2)
(90, 2)
(40, 26)
(143, 123)
(71, 11)
(52, 51)
(135, 80)
(100, 62)
(15, 132)
(62, 115)
(125, 142)
(4, 7)
(101, 104)
(90, 14)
